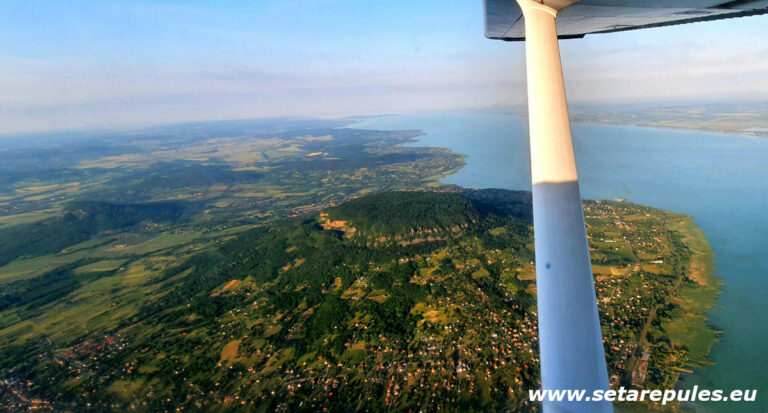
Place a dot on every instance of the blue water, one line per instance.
(719, 179)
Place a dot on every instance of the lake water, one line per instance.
(719, 179)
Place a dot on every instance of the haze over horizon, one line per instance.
(82, 65)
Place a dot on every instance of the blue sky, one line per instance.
(83, 64)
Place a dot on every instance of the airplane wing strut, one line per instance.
(570, 338)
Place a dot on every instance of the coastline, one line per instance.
(688, 325)
(699, 173)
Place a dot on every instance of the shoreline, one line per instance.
(737, 308)
(689, 325)
(698, 292)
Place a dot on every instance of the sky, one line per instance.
(85, 64)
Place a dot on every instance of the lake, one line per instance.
(719, 179)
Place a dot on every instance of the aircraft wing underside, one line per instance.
(504, 21)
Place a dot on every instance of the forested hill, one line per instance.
(407, 213)
(295, 316)
(396, 212)
(394, 301)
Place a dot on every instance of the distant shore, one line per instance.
(736, 118)
(661, 125)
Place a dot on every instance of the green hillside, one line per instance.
(79, 222)
(392, 301)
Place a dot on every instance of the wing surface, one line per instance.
(503, 18)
